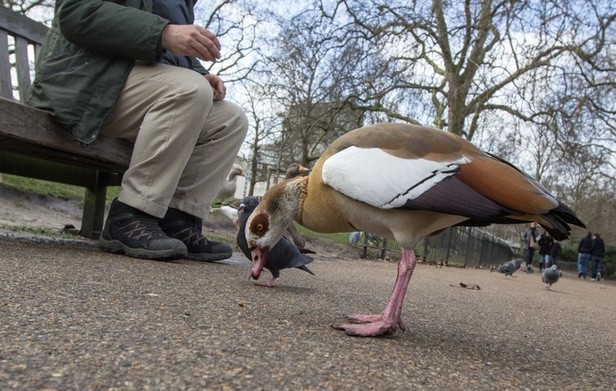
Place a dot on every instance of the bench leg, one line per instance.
(93, 212)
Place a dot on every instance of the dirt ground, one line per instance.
(25, 210)
(114, 322)
(32, 210)
(76, 318)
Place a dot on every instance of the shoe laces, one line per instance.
(141, 227)
(190, 236)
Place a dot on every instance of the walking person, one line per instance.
(530, 244)
(597, 253)
(545, 247)
(130, 69)
(584, 248)
(555, 251)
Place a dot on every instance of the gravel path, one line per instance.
(73, 318)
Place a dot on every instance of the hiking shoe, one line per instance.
(188, 228)
(137, 234)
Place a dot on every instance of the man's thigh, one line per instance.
(147, 88)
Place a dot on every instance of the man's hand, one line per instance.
(217, 85)
(191, 40)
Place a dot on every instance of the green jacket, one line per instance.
(87, 56)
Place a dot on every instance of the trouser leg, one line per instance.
(212, 158)
(184, 142)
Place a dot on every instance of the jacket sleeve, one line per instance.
(112, 29)
(196, 66)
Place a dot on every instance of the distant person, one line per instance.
(597, 253)
(530, 244)
(555, 252)
(584, 248)
(545, 247)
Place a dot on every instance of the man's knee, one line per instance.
(235, 117)
(195, 89)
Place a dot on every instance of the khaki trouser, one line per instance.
(184, 142)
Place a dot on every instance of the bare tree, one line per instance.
(310, 74)
(264, 130)
(535, 80)
(462, 59)
(28, 6)
(236, 24)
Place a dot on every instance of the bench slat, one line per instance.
(26, 127)
(6, 86)
(31, 167)
(22, 26)
(33, 145)
(23, 67)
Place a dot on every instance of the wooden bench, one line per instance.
(33, 145)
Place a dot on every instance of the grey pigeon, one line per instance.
(508, 268)
(354, 237)
(283, 255)
(551, 276)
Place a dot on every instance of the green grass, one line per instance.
(37, 230)
(52, 189)
(69, 192)
(342, 238)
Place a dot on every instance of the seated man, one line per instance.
(113, 69)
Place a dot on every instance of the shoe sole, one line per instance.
(115, 246)
(207, 257)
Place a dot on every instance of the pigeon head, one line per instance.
(247, 206)
(249, 202)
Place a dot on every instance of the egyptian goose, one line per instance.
(295, 170)
(401, 182)
(229, 212)
(230, 185)
(283, 255)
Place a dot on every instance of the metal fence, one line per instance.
(459, 246)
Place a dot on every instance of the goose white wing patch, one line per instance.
(377, 178)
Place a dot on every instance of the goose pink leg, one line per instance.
(387, 322)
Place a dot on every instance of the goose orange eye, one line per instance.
(259, 224)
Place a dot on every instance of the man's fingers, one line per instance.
(217, 85)
(206, 50)
(207, 44)
(191, 40)
(212, 37)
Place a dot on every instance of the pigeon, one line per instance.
(509, 267)
(356, 235)
(398, 181)
(551, 276)
(283, 255)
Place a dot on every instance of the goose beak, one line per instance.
(259, 257)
